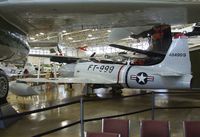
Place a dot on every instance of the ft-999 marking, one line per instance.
(101, 68)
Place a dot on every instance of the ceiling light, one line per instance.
(92, 38)
(64, 31)
(70, 38)
(37, 35)
(94, 29)
(90, 35)
(32, 38)
(108, 30)
(41, 33)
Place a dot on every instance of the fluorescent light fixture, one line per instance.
(64, 31)
(70, 38)
(41, 33)
(32, 38)
(90, 35)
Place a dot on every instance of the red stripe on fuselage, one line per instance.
(119, 73)
(150, 78)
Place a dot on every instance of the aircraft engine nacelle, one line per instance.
(67, 70)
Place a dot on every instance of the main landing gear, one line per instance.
(4, 87)
(5, 107)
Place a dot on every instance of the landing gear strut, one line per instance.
(4, 87)
(5, 107)
(116, 91)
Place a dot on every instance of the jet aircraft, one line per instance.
(174, 72)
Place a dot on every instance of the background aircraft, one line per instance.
(10, 70)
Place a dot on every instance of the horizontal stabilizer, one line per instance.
(148, 53)
(63, 59)
(169, 74)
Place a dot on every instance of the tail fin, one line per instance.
(177, 58)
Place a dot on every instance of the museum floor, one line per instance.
(56, 94)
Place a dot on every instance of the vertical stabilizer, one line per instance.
(177, 58)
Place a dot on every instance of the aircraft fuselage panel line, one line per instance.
(126, 77)
(119, 72)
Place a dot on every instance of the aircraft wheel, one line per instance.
(116, 92)
(4, 87)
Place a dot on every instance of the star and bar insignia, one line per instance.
(142, 78)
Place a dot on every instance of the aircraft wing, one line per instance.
(51, 15)
(69, 80)
(148, 53)
(43, 44)
(59, 59)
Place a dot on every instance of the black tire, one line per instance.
(4, 87)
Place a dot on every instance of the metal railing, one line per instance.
(81, 121)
